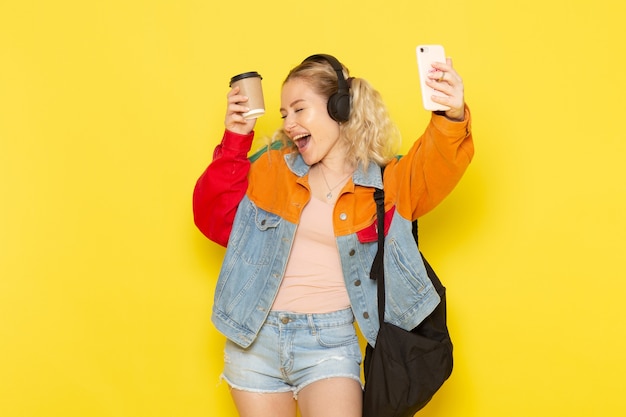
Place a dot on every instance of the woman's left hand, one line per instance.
(446, 80)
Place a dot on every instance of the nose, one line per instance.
(289, 124)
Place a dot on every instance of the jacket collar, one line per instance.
(366, 178)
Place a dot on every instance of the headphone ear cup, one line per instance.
(339, 103)
(339, 106)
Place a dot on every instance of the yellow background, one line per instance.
(109, 111)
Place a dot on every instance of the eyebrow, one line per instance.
(293, 103)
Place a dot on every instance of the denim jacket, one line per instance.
(264, 225)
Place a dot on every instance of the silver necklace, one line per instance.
(329, 195)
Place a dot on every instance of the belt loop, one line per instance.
(311, 322)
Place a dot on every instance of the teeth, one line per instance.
(304, 135)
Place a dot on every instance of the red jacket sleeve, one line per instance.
(221, 187)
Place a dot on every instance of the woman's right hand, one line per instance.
(234, 120)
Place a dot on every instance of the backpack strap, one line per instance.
(378, 269)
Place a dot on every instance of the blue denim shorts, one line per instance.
(293, 350)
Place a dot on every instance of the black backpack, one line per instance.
(406, 368)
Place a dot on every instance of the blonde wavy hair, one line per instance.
(369, 134)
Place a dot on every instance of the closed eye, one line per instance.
(284, 115)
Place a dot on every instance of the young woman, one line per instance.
(299, 223)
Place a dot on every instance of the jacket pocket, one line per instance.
(256, 235)
(404, 274)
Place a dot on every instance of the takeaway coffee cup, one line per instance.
(249, 84)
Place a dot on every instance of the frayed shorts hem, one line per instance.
(294, 390)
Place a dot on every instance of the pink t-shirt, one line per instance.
(313, 281)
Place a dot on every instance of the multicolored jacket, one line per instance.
(253, 205)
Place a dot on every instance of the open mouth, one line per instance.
(301, 140)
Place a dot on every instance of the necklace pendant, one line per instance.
(329, 195)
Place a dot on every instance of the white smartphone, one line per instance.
(426, 55)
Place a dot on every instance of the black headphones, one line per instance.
(338, 103)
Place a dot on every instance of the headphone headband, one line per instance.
(338, 103)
